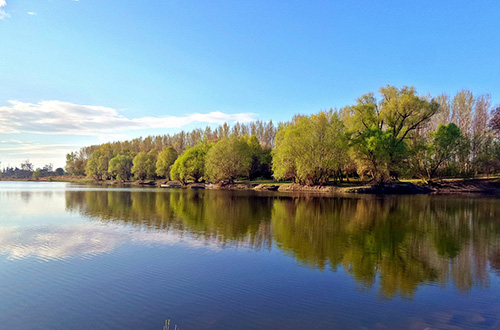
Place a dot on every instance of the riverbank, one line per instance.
(484, 186)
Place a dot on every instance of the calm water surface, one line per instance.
(78, 257)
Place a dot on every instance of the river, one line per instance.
(84, 257)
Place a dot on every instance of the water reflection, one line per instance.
(222, 219)
(406, 241)
(396, 244)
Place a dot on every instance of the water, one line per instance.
(80, 257)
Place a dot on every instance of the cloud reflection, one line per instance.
(85, 240)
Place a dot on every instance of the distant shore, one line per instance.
(483, 186)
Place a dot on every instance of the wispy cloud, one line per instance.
(13, 152)
(31, 13)
(57, 117)
(3, 14)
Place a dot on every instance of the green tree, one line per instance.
(75, 164)
(37, 174)
(376, 152)
(191, 164)
(92, 168)
(380, 130)
(151, 164)
(311, 149)
(228, 159)
(140, 168)
(261, 158)
(97, 165)
(166, 159)
(144, 165)
(120, 167)
(442, 147)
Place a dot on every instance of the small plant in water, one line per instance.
(167, 326)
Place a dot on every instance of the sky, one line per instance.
(83, 72)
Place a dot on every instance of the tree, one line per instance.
(92, 169)
(75, 164)
(442, 147)
(27, 166)
(166, 159)
(59, 171)
(140, 166)
(261, 158)
(97, 165)
(120, 167)
(191, 164)
(463, 109)
(311, 149)
(151, 164)
(228, 159)
(494, 123)
(378, 153)
(37, 174)
(482, 136)
(380, 130)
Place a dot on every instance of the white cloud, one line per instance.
(31, 13)
(57, 117)
(3, 14)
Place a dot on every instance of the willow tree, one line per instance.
(380, 130)
(311, 149)
(166, 159)
(145, 165)
(228, 159)
(191, 164)
(120, 167)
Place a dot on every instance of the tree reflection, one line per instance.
(395, 244)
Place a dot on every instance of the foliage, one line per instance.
(75, 164)
(166, 159)
(97, 165)
(442, 146)
(229, 159)
(120, 167)
(144, 165)
(37, 174)
(378, 153)
(379, 130)
(311, 149)
(190, 165)
(379, 139)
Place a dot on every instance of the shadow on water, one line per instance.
(394, 244)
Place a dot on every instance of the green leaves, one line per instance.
(311, 149)
(166, 159)
(191, 164)
(230, 158)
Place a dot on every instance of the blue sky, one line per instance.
(75, 73)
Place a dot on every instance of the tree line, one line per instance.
(27, 171)
(395, 134)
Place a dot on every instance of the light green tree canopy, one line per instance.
(120, 167)
(190, 165)
(310, 149)
(229, 158)
(166, 159)
(144, 165)
(379, 130)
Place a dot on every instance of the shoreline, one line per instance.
(481, 186)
